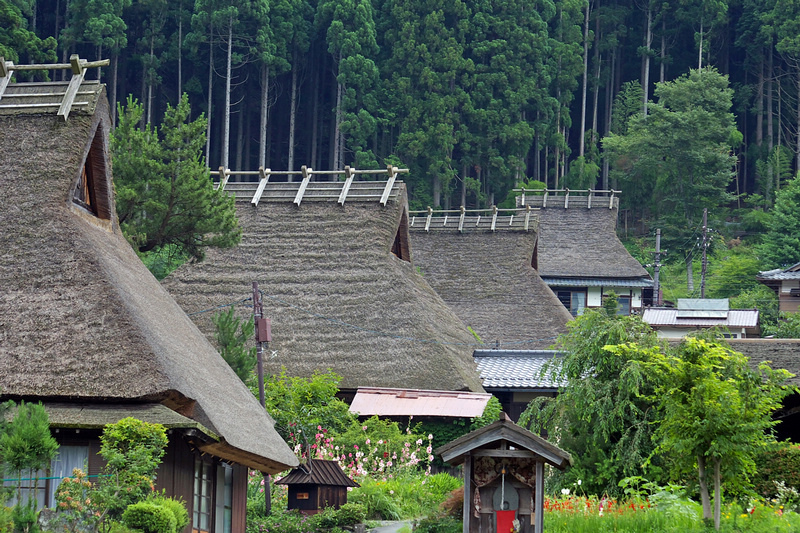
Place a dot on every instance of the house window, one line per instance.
(574, 300)
(224, 501)
(44, 490)
(92, 190)
(202, 495)
(623, 305)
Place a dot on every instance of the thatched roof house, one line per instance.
(338, 286)
(580, 256)
(84, 326)
(485, 273)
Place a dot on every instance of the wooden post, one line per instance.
(538, 518)
(467, 491)
(349, 173)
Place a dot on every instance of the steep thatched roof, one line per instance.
(581, 242)
(337, 296)
(487, 278)
(81, 319)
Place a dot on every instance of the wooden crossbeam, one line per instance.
(494, 217)
(264, 172)
(5, 74)
(392, 171)
(223, 177)
(350, 173)
(461, 220)
(307, 173)
(527, 216)
(78, 73)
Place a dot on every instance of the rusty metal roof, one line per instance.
(318, 472)
(371, 401)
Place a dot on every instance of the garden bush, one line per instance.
(6, 523)
(350, 514)
(439, 524)
(780, 463)
(149, 517)
(176, 507)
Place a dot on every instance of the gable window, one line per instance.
(573, 299)
(92, 190)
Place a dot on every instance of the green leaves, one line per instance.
(232, 334)
(164, 192)
(781, 245)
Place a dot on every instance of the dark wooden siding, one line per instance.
(239, 511)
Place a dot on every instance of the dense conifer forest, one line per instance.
(683, 105)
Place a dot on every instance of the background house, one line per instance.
(338, 285)
(578, 253)
(482, 265)
(86, 329)
(694, 314)
(786, 284)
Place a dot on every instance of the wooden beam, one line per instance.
(467, 514)
(504, 453)
(5, 74)
(527, 216)
(494, 217)
(392, 170)
(223, 177)
(74, 84)
(264, 172)
(307, 173)
(538, 517)
(461, 220)
(350, 173)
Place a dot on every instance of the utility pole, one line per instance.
(263, 336)
(705, 259)
(657, 268)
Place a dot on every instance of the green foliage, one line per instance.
(301, 405)
(25, 517)
(164, 192)
(780, 247)
(26, 446)
(787, 327)
(149, 517)
(232, 334)
(132, 450)
(350, 514)
(6, 520)
(175, 506)
(600, 415)
(779, 463)
(732, 271)
(490, 414)
(762, 298)
(440, 524)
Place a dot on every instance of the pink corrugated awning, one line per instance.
(371, 401)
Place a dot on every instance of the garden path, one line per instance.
(389, 526)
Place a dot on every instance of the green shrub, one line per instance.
(119, 527)
(176, 507)
(779, 464)
(351, 514)
(439, 524)
(380, 504)
(6, 523)
(25, 518)
(149, 517)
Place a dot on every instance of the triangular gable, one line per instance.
(92, 190)
(400, 248)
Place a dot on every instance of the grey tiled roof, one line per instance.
(514, 369)
(595, 282)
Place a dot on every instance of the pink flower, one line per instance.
(355, 446)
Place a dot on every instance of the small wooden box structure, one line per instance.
(315, 485)
(503, 472)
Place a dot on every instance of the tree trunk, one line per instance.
(210, 87)
(584, 89)
(704, 498)
(700, 52)
(180, 51)
(113, 103)
(293, 110)
(315, 119)
(760, 103)
(717, 493)
(226, 134)
(262, 138)
(337, 132)
(149, 78)
(663, 66)
(437, 190)
(239, 140)
(464, 186)
(689, 273)
(648, 41)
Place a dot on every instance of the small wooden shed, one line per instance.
(315, 485)
(503, 476)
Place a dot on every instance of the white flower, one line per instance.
(565, 492)
(579, 482)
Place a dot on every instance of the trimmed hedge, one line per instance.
(777, 464)
(149, 517)
(176, 507)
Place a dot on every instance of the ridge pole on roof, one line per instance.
(461, 220)
(307, 173)
(5, 74)
(392, 171)
(264, 173)
(350, 173)
(78, 73)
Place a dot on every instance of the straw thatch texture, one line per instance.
(321, 267)
(487, 279)
(81, 319)
(582, 242)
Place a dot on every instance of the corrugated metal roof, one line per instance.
(515, 369)
(371, 401)
(736, 318)
(595, 282)
(318, 472)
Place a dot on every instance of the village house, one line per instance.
(786, 284)
(86, 330)
(578, 253)
(693, 314)
(334, 264)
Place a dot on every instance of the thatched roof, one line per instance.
(781, 353)
(487, 278)
(337, 296)
(81, 319)
(581, 242)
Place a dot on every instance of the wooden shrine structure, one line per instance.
(503, 476)
(315, 485)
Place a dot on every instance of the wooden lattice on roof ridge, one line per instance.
(307, 189)
(44, 96)
(492, 219)
(566, 198)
